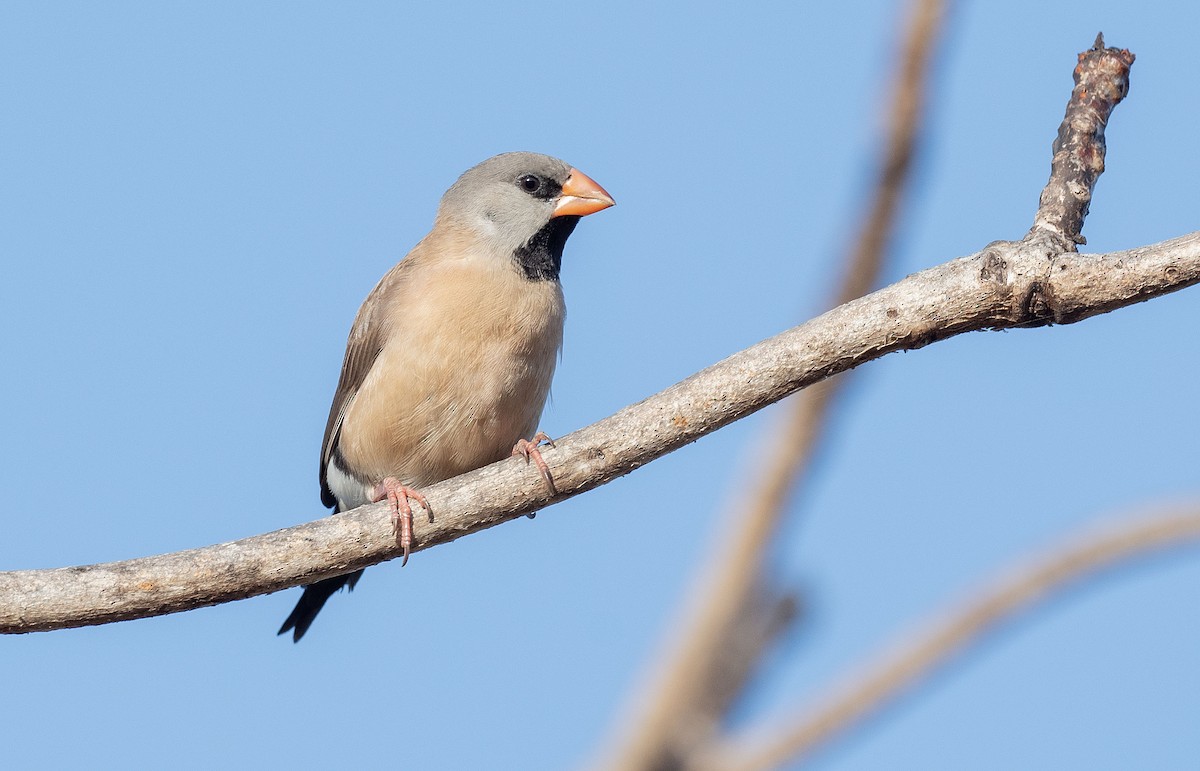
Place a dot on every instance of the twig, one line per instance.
(1101, 82)
(904, 663)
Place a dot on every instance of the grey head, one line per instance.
(526, 205)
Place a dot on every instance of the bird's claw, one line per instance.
(528, 449)
(398, 495)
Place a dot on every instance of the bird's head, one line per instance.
(524, 205)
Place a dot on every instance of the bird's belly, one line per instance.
(442, 411)
(473, 419)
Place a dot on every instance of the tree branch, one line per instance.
(1028, 283)
(905, 662)
(1008, 284)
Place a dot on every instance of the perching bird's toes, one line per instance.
(402, 517)
(528, 449)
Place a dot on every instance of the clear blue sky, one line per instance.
(196, 197)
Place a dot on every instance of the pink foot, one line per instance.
(529, 451)
(402, 517)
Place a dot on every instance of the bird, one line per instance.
(449, 361)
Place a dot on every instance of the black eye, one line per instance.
(529, 183)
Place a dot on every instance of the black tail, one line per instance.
(313, 600)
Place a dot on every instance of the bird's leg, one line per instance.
(528, 449)
(402, 517)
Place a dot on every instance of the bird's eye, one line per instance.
(529, 183)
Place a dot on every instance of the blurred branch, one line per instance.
(669, 726)
(904, 663)
(1008, 284)
(675, 716)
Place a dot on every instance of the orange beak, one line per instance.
(581, 196)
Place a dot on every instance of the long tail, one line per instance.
(313, 600)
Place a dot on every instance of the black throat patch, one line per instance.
(540, 259)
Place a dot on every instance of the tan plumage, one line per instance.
(450, 358)
(508, 331)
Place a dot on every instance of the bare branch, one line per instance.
(1101, 82)
(1027, 283)
(904, 663)
(673, 710)
(1006, 285)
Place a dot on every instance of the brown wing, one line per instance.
(366, 340)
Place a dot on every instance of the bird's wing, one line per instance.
(366, 341)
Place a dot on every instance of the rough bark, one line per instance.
(1006, 285)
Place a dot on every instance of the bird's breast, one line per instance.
(464, 374)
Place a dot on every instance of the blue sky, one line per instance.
(196, 197)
